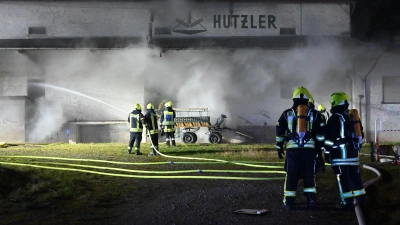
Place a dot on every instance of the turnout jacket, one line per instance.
(136, 121)
(167, 119)
(339, 142)
(286, 129)
(151, 119)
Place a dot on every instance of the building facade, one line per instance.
(72, 70)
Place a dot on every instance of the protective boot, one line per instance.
(129, 150)
(347, 205)
(289, 203)
(173, 143)
(137, 151)
(167, 143)
(153, 152)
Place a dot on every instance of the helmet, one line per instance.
(150, 106)
(321, 107)
(311, 100)
(168, 104)
(339, 98)
(137, 106)
(301, 92)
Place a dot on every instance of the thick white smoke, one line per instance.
(46, 121)
(251, 87)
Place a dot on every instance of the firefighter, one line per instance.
(325, 115)
(301, 128)
(342, 143)
(151, 120)
(167, 123)
(136, 122)
(311, 102)
(320, 160)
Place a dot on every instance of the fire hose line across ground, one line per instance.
(154, 172)
(357, 208)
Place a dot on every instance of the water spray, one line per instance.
(77, 93)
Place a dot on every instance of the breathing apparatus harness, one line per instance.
(301, 122)
(354, 138)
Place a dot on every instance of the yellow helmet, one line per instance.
(137, 106)
(301, 92)
(311, 100)
(150, 106)
(168, 104)
(339, 98)
(321, 107)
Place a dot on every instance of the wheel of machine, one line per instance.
(219, 135)
(194, 137)
(188, 138)
(215, 138)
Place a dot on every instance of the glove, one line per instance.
(279, 149)
(328, 158)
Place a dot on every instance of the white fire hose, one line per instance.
(357, 208)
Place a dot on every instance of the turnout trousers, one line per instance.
(135, 139)
(350, 184)
(300, 163)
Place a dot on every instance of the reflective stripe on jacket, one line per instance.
(339, 149)
(135, 121)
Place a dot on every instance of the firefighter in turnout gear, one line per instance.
(136, 122)
(301, 127)
(320, 160)
(311, 103)
(151, 120)
(168, 124)
(343, 141)
(325, 115)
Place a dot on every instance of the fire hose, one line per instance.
(357, 208)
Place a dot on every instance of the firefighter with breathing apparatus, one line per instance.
(301, 127)
(343, 142)
(325, 115)
(319, 162)
(168, 124)
(136, 122)
(151, 120)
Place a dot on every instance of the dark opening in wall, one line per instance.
(287, 31)
(37, 32)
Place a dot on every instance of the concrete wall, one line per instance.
(133, 19)
(12, 119)
(252, 87)
(74, 19)
(388, 113)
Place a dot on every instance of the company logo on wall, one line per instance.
(189, 26)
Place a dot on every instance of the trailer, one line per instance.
(190, 120)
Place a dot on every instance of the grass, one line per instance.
(23, 188)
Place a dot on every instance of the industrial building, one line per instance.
(71, 71)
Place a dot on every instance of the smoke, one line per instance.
(251, 87)
(47, 118)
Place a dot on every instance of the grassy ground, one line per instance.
(96, 174)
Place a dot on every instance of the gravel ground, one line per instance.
(184, 202)
(191, 201)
